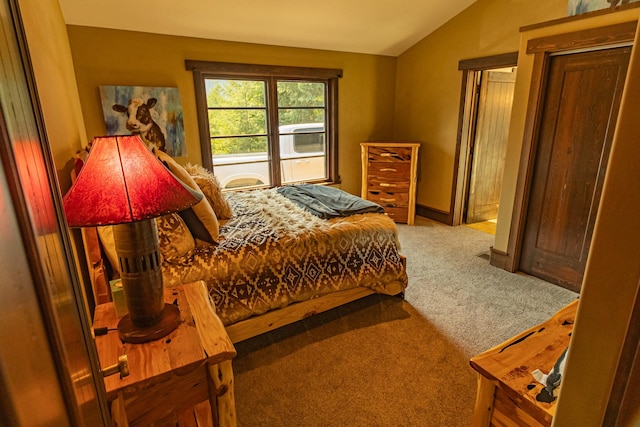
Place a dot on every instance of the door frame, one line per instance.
(466, 127)
(542, 48)
(46, 293)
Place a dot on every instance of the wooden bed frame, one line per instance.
(274, 319)
(238, 331)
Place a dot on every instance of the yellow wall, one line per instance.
(429, 83)
(55, 80)
(111, 57)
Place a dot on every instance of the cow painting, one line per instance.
(140, 122)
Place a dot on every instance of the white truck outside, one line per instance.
(302, 158)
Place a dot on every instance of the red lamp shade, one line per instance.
(122, 181)
(124, 185)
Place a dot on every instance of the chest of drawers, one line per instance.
(389, 171)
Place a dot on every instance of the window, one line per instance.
(265, 126)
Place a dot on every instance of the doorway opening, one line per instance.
(488, 142)
(483, 128)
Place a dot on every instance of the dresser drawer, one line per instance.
(398, 214)
(389, 200)
(389, 169)
(389, 154)
(388, 184)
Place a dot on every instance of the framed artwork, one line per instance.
(154, 113)
(576, 7)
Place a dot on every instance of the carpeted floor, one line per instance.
(384, 361)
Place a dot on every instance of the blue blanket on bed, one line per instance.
(328, 202)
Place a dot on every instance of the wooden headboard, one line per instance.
(96, 265)
(98, 272)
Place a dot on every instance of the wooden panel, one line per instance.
(389, 200)
(510, 364)
(274, 319)
(97, 271)
(261, 70)
(576, 130)
(398, 214)
(602, 36)
(554, 43)
(388, 183)
(167, 398)
(483, 410)
(490, 145)
(507, 413)
(489, 62)
(211, 331)
(222, 400)
(390, 169)
(389, 154)
(202, 414)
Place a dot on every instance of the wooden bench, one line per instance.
(506, 388)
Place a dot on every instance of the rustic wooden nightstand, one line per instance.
(170, 378)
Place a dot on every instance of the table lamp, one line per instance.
(123, 184)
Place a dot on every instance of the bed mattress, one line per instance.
(273, 253)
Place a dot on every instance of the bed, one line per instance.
(273, 260)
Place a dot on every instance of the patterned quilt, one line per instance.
(273, 253)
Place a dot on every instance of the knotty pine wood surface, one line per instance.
(509, 365)
(199, 339)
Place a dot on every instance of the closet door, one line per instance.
(579, 115)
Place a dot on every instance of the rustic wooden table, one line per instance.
(506, 388)
(170, 378)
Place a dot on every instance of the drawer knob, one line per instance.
(122, 367)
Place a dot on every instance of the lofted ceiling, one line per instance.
(382, 27)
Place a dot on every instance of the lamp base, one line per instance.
(131, 333)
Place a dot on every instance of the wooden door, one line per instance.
(579, 115)
(490, 144)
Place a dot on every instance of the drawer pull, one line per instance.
(386, 184)
(122, 367)
(382, 199)
(388, 170)
(388, 154)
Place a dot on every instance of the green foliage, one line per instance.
(294, 100)
(239, 145)
(238, 112)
